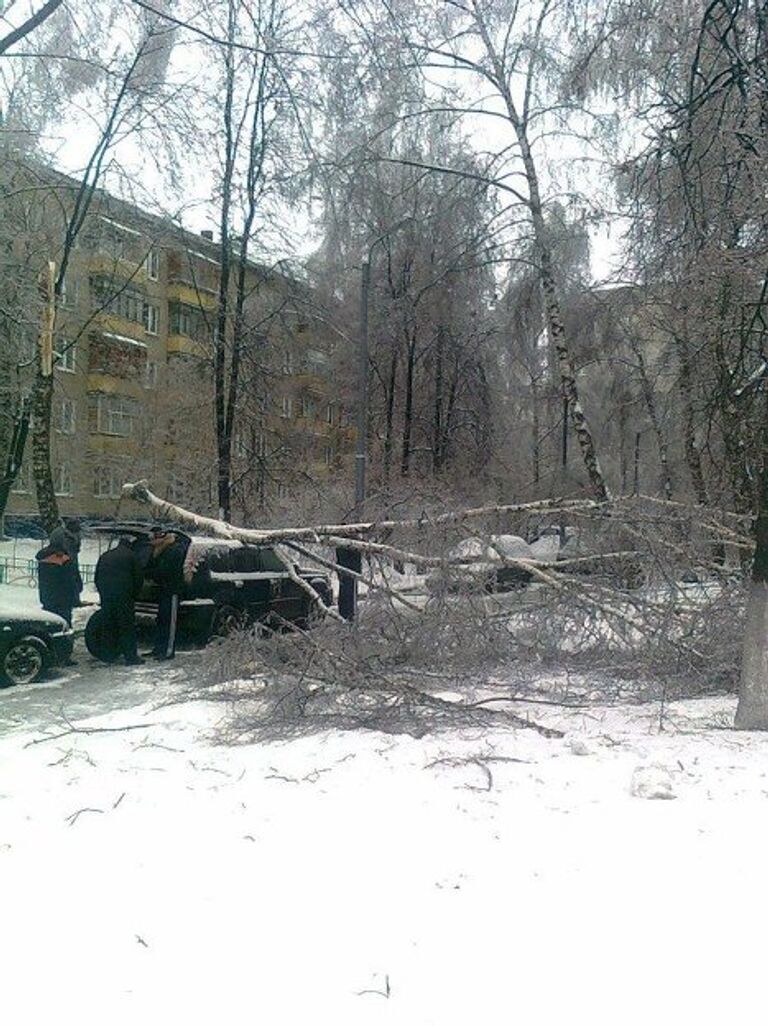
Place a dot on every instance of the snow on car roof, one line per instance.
(494, 548)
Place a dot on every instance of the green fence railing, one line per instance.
(24, 571)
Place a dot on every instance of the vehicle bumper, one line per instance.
(62, 643)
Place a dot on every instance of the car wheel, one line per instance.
(226, 620)
(24, 661)
(99, 641)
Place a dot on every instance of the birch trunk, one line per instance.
(550, 292)
(223, 435)
(752, 710)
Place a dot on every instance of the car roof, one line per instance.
(138, 530)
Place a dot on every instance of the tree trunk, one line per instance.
(410, 362)
(535, 430)
(550, 292)
(752, 710)
(389, 425)
(450, 411)
(692, 455)
(623, 461)
(437, 416)
(15, 445)
(223, 434)
(42, 400)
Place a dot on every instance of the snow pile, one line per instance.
(484, 876)
(654, 781)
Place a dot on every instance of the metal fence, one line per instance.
(24, 571)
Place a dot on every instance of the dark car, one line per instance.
(227, 585)
(31, 643)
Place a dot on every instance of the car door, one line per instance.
(288, 599)
(250, 587)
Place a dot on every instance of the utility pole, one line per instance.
(351, 558)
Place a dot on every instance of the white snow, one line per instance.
(489, 877)
(508, 546)
(24, 603)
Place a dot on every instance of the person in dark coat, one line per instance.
(166, 568)
(119, 576)
(66, 538)
(57, 581)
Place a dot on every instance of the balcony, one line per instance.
(117, 267)
(113, 445)
(184, 292)
(129, 331)
(182, 345)
(112, 384)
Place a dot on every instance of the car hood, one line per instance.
(32, 618)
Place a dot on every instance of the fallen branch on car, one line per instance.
(140, 492)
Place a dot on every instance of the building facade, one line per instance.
(134, 370)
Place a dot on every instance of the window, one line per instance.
(68, 295)
(308, 406)
(151, 318)
(328, 455)
(181, 320)
(112, 245)
(115, 415)
(287, 363)
(117, 355)
(65, 417)
(150, 375)
(261, 446)
(152, 264)
(282, 490)
(107, 483)
(21, 484)
(187, 320)
(287, 407)
(329, 413)
(64, 357)
(62, 479)
(317, 361)
(127, 303)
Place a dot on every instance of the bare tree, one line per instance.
(31, 23)
(510, 51)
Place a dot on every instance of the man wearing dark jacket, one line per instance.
(119, 577)
(66, 538)
(57, 582)
(166, 567)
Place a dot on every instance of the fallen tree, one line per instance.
(677, 635)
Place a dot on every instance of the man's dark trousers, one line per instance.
(120, 623)
(167, 621)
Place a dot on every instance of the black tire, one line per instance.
(100, 642)
(24, 662)
(226, 620)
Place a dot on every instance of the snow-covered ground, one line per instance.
(147, 874)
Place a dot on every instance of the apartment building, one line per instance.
(134, 367)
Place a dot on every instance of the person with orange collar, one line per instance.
(57, 581)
